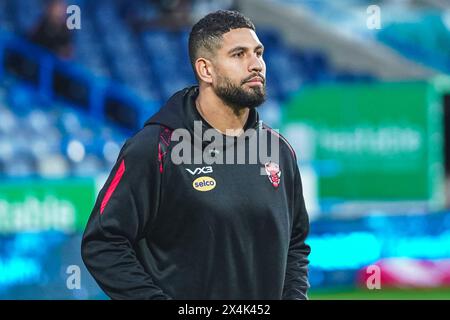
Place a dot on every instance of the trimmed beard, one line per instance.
(237, 97)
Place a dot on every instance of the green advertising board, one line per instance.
(41, 205)
(372, 142)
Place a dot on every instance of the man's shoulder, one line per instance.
(144, 143)
(284, 143)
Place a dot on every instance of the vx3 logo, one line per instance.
(196, 171)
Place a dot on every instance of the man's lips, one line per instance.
(255, 80)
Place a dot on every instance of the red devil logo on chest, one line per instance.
(273, 173)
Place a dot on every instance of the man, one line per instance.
(51, 31)
(161, 230)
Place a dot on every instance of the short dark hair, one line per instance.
(207, 32)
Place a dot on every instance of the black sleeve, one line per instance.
(296, 281)
(125, 205)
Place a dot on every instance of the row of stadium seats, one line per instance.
(52, 140)
(155, 62)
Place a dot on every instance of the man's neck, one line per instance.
(219, 115)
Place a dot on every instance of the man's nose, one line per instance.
(256, 64)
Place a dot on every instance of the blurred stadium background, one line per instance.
(366, 108)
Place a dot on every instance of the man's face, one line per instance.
(57, 11)
(239, 76)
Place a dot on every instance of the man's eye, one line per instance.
(259, 53)
(239, 54)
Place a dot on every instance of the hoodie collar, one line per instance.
(180, 112)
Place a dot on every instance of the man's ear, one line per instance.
(204, 69)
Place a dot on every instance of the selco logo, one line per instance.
(204, 184)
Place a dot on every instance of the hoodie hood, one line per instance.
(171, 115)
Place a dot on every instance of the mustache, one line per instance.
(253, 76)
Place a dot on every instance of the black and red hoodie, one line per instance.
(161, 231)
